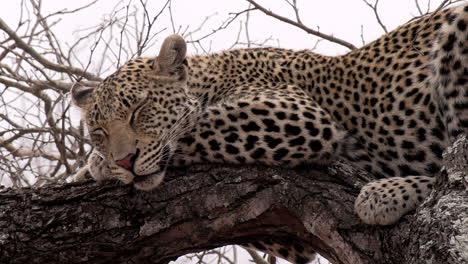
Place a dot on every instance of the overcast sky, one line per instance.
(350, 20)
(341, 18)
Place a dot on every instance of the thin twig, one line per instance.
(48, 64)
(302, 26)
(376, 13)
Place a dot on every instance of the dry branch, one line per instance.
(376, 13)
(302, 26)
(48, 64)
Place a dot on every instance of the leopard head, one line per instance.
(135, 116)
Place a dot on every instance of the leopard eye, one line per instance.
(98, 134)
(137, 111)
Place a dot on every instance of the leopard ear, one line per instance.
(81, 95)
(171, 55)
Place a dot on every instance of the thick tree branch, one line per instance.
(207, 206)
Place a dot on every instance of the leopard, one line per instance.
(390, 107)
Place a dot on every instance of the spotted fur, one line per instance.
(391, 107)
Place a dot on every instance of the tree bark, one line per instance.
(207, 206)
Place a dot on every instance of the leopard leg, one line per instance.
(385, 201)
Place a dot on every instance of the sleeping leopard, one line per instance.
(390, 107)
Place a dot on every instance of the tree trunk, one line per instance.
(207, 206)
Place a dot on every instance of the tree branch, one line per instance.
(48, 64)
(200, 208)
(302, 26)
(207, 206)
(25, 152)
(376, 13)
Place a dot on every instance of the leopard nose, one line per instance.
(126, 162)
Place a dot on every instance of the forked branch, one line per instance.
(300, 25)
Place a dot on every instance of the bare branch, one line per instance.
(145, 41)
(247, 19)
(376, 13)
(419, 7)
(256, 257)
(25, 152)
(48, 64)
(293, 4)
(224, 25)
(303, 27)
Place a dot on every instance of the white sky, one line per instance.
(342, 18)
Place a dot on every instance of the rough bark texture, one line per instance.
(207, 206)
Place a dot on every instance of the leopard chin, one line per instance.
(149, 182)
